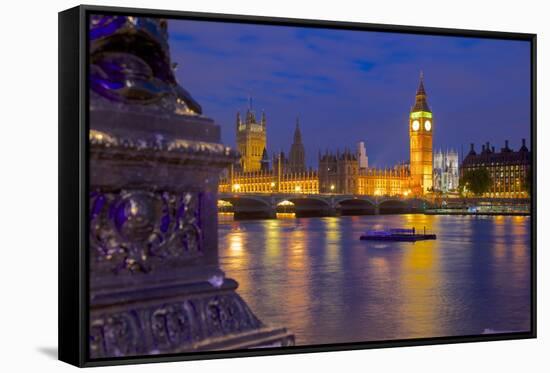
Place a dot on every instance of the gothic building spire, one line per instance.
(421, 103)
(297, 161)
(250, 114)
(421, 90)
(263, 120)
(297, 132)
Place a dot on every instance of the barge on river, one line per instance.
(402, 235)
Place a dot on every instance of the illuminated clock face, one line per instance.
(416, 125)
(428, 125)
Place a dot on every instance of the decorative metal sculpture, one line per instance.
(130, 63)
(189, 324)
(133, 230)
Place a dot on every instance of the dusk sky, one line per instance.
(350, 86)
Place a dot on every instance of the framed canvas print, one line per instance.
(239, 186)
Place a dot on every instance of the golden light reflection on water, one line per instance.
(313, 275)
(273, 242)
(521, 256)
(333, 236)
(499, 249)
(420, 281)
(268, 256)
(286, 215)
(510, 251)
(520, 228)
(298, 264)
(235, 243)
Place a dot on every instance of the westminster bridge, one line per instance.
(266, 206)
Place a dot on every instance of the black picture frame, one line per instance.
(73, 184)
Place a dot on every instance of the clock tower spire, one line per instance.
(421, 144)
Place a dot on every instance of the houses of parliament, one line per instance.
(340, 172)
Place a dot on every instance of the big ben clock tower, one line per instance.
(420, 135)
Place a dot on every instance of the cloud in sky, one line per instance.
(349, 86)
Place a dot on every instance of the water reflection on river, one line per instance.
(316, 278)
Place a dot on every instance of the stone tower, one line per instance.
(420, 135)
(251, 140)
(338, 172)
(297, 161)
(362, 156)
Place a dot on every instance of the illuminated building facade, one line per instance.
(509, 169)
(344, 172)
(445, 171)
(338, 173)
(270, 181)
(254, 174)
(421, 128)
(251, 140)
(385, 182)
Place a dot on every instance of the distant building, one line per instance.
(421, 127)
(445, 171)
(345, 172)
(297, 155)
(338, 172)
(508, 169)
(251, 140)
(385, 181)
(362, 156)
(255, 173)
(277, 179)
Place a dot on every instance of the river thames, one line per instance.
(315, 277)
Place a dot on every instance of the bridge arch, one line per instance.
(285, 206)
(245, 201)
(308, 200)
(356, 206)
(393, 205)
(310, 205)
(249, 207)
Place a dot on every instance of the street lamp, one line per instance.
(298, 189)
(332, 187)
(236, 187)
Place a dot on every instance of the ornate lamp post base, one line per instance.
(190, 318)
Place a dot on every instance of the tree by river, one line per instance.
(476, 181)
